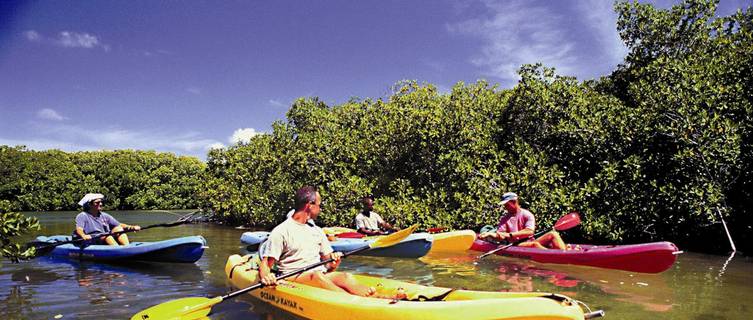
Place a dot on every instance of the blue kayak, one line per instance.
(186, 249)
(415, 245)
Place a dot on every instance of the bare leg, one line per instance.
(552, 239)
(111, 241)
(122, 238)
(347, 282)
(532, 244)
(319, 280)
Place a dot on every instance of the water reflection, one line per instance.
(411, 270)
(697, 286)
(650, 291)
(16, 302)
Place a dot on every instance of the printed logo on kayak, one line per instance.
(268, 296)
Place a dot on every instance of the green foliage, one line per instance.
(657, 150)
(56, 180)
(13, 224)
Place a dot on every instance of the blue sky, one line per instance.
(184, 76)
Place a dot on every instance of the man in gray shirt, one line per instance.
(294, 244)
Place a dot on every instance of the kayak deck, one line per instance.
(185, 249)
(414, 246)
(651, 257)
(453, 241)
(317, 303)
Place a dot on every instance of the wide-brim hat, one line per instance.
(89, 197)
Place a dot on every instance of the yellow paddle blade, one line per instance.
(179, 309)
(394, 238)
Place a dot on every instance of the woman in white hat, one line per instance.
(93, 221)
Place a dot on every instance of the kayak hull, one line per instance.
(651, 257)
(414, 246)
(453, 241)
(185, 249)
(316, 303)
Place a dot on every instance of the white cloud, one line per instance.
(602, 20)
(68, 39)
(77, 40)
(578, 38)
(515, 34)
(194, 90)
(215, 145)
(50, 114)
(243, 135)
(276, 103)
(79, 138)
(31, 35)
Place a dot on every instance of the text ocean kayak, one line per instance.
(414, 246)
(651, 257)
(315, 303)
(185, 249)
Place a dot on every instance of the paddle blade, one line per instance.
(179, 309)
(435, 229)
(350, 235)
(567, 221)
(392, 239)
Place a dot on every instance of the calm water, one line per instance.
(697, 287)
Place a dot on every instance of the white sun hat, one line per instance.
(89, 197)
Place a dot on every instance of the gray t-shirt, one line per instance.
(296, 245)
(91, 224)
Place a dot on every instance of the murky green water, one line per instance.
(697, 287)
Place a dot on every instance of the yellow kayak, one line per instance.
(443, 303)
(443, 242)
(453, 241)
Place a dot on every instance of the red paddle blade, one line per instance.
(435, 230)
(567, 221)
(351, 235)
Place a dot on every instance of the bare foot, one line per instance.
(400, 295)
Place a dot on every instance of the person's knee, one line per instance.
(318, 276)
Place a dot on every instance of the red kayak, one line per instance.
(651, 257)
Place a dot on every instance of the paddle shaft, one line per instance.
(292, 273)
(536, 235)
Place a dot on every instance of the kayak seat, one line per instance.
(439, 297)
(250, 260)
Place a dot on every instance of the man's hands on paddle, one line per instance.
(501, 236)
(336, 257)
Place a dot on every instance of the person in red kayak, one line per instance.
(369, 222)
(92, 220)
(295, 244)
(519, 224)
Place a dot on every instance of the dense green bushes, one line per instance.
(660, 149)
(56, 180)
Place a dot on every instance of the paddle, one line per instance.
(567, 221)
(357, 235)
(198, 307)
(43, 248)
